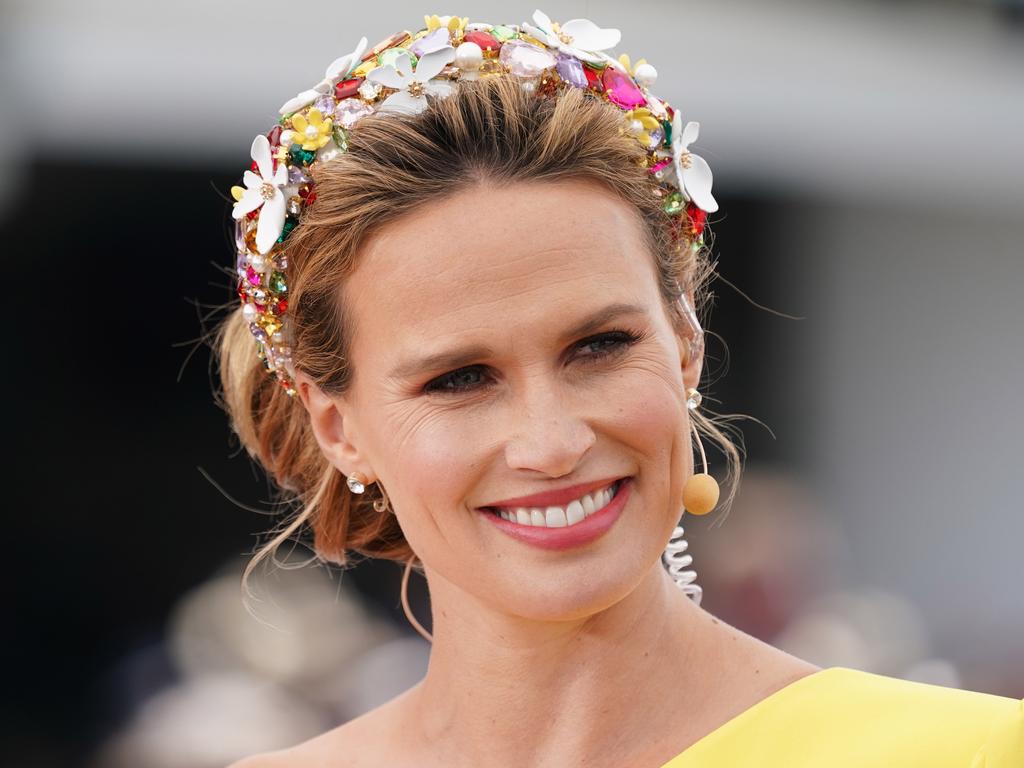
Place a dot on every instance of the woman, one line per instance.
(471, 258)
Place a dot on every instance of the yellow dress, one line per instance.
(839, 717)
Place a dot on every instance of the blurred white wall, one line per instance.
(920, 102)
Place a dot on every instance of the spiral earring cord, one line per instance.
(676, 558)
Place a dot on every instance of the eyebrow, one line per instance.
(457, 358)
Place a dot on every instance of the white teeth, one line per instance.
(574, 512)
(588, 505)
(560, 517)
(556, 517)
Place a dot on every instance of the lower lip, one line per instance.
(570, 536)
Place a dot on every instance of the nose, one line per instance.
(549, 432)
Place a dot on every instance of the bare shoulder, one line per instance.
(372, 739)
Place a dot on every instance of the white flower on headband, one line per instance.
(264, 189)
(581, 38)
(413, 88)
(339, 69)
(693, 174)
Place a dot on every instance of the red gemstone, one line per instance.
(282, 305)
(310, 198)
(697, 217)
(303, 190)
(261, 308)
(274, 136)
(346, 89)
(487, 42)
(593, 79)
(241, 290)
(252, 214)
(253, 167)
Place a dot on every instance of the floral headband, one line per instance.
(403, 74)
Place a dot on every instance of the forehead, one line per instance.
(499, 256)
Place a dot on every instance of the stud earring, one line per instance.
(356, 483)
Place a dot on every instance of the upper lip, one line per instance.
(557, 497)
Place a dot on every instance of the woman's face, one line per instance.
(542, 387)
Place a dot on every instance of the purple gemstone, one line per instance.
(570, 69)
(657, 136)
(621, 90)
(439, 38)
(296, 176)
(258, 332)
(326, 105)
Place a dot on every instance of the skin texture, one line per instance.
(586, 657)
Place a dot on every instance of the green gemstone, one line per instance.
(277, 282)
(289, 225)
(501, 34)
(301, 156)
(341, 138)
(673, 204)
(667, 127)
(384, 58)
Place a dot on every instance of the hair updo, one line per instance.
(490, 131)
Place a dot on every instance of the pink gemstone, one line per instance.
(525, 59)
(621, 89)
(658, 166)
(350, 110)
(252, 275)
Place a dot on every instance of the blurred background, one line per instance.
(868, 161)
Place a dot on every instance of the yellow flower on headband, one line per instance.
(314, 132)
(631, 68)
(456, 25)
(641, 121)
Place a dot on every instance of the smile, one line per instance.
(576, 511)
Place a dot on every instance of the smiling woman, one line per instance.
(479, 315)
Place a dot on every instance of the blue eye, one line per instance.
(470, 378)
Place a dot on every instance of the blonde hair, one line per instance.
(489, 131)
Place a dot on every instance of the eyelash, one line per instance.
(624, 339)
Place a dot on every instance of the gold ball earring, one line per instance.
(701, 492)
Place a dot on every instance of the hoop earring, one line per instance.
(405, 602)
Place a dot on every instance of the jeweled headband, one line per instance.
(403, 74)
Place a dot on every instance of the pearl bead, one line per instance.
(311, 132)
(259, 263)
(646, 75)
(469, 56)
(700, 494)
(636, 127)
(287, 138)
(249, 312)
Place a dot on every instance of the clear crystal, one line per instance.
(693, 401)
(355, 486)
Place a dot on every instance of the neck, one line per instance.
(510, 691)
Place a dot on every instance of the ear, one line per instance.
(331, 421)
(691, 352)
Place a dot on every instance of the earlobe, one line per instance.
(333, 432)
